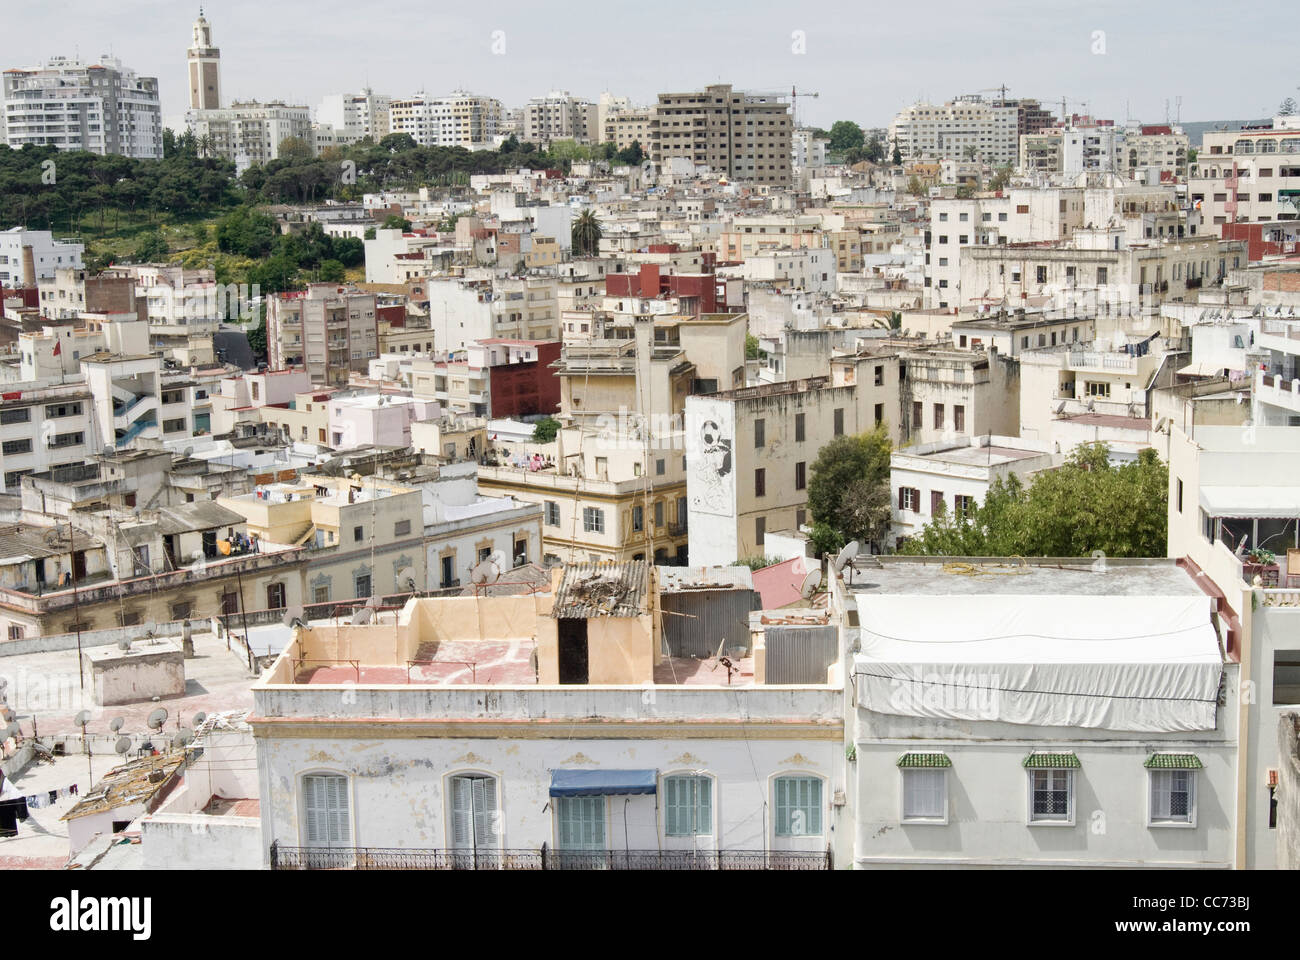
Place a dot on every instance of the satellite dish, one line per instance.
(182, 737)
(485, 572)
(293, 616)
(189, 452)
(124, 644)
(150, 629)
(406, 576)
(846, 555)
(157, 718)
(499, 558)
(123, 744)
(82, 718)
(199, 717)
(362, 615)
(108, 450)
(116, 724)
(811, 582)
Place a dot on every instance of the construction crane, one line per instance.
(1001, 91)
(1065, 116)
(794, 100)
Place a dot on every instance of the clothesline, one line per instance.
(47, 798)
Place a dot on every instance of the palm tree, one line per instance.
(586, 233)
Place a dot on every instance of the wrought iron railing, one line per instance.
(387, 858)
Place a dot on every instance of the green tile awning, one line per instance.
(924, 760)
(1173, 761)
(1051, 761)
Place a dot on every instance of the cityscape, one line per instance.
(716, 480)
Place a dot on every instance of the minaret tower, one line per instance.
(205, 68)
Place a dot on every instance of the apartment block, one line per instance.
(738, 135)
(329, 329)
(101, 107)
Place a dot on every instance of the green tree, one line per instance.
(875, 150)
(1085, 505)
(849, 487)
(331, 271)
(752, 350)
(897, 159)
(586, 233)
(914, 186)
(545, 430)
(1001, 178)
(845, 135)
(394, 222)
(151, 248)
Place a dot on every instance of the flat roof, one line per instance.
(1073, 576)
(977, 456)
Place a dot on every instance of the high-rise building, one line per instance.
(459, 120)
(968, 126)
(101, 107)
(560, 116)
(354, 116)
(249, 133)
(740, 135)
(205, 68)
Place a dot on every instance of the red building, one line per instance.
(524, 388)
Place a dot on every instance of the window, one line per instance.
(963, 505)
(925, 794)
(638, 518)
(839, 421)
(1173, 796)
(1051, 796)
(19, 415)
(474, 812)
(325, 810)
(1103, 276)
(880, 414)
(938, 416)
(62, 410)
(15, 631)
(799, 421)
(760, 482)
(688, 806)
(880, 376)
(801, 475)
(760, 434)
(320, 595)
(959, 418)
(401, 528)
(659, 468)
(362, 584)
(16, 446)
(798, 806)
(357, 533)
(760, 531)
(275, 596)
(909, 498)
(181, 610)
(1180, 496)
(593, 520)
(916, 415)
(552, 513)
(1098, 389)
(580, 823)
(659, 514)
(1040, 274)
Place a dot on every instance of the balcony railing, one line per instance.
(389, 858)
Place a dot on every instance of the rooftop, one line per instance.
(1016, 576)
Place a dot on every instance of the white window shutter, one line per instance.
(461, 812)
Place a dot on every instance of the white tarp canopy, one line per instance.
(1139, 663)
(1251, 501)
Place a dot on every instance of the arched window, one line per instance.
(474, 819)
(688, 805)
(798, 806)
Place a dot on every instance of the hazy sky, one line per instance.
(865, 59)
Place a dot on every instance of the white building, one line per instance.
(250, 132)
(966, 125)
(461, 119)
(954, 475)
(1036, 716)
(102, 107)
(354, 116)
(48, 255)
(561, 116)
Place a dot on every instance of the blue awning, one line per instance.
(602, 783)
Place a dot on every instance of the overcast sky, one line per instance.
(866, 59)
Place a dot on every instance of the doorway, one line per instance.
(573, 650)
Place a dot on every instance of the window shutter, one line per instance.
(339, 808)
(461, 810)
(311, 805)
(902, 494)
(1160, 794)
(485, 805)
(704, 819)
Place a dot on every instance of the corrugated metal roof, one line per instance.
(29, 542)
(672, 579)
(602, 589)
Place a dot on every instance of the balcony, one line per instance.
(384, 858)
